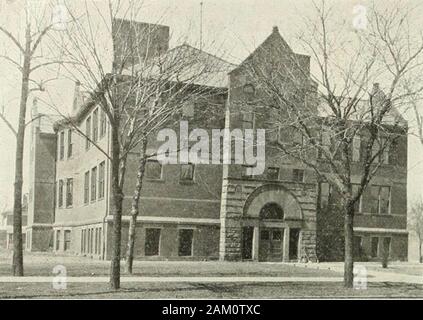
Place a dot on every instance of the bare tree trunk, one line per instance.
(420, 252)
(117, 200)
(349, 244)
(135, 208)
(17, 263)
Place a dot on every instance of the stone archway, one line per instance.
(277, 194)
(272, 224)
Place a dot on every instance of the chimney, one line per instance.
(376, 88)
(136, 41)
(377, 96)
(275, 29)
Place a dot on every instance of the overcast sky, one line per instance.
(235, 27)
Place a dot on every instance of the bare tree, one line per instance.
(415, 224)
(28, 62)
(331, 120)
(180, 80)
(143, 88)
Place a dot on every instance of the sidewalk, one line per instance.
(372, 277)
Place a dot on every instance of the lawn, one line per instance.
(207, 291)
(42, 264)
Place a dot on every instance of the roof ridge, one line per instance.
(202, 51)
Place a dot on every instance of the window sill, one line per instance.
(187, 182)
(373, 214)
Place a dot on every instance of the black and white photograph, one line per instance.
(194, 151)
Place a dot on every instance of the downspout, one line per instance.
(107, 195)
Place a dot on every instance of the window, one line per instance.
(375, 247)
(93, 183)
(264, 235)
(152, 241)
(62, 145)
(384, 200)
(99, 241)
(87, 187)
(387, 246)
(82, 241)
(102, 124)
(325, 192)
(357, 205)
(247, 171)
(325, 141)
(60, 193)
(87, 133)
(358, 247)
(188, 110)
(272, 132)
(69, 143)
(95, 125)
(89, 241)
(101, 168)
(153, 170)
(248, 120)
(69, 192)
(382, 156)
(291, 135)
(380, 199)
(96, 240)
(57, 240)
(185, 242)
(277, 235)
(272, 173)
(28, 239)
(67, 240)
(356, 146)
(298, 175)
(187, 172)
(271, 211)
(297, 137)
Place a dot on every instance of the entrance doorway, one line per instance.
(270, 247)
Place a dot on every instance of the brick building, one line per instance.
(204, 211)
(6, 225)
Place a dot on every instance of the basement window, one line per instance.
(153, 170)
(185, 242)
(152, 241)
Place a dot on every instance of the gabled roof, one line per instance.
(362, 113)
(274, 39)
(189, 64)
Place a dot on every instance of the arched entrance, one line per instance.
(271, 238)
(272, 224)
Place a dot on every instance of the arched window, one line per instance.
(271, 211)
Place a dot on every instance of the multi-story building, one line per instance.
(207, 211)
(6, 225)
